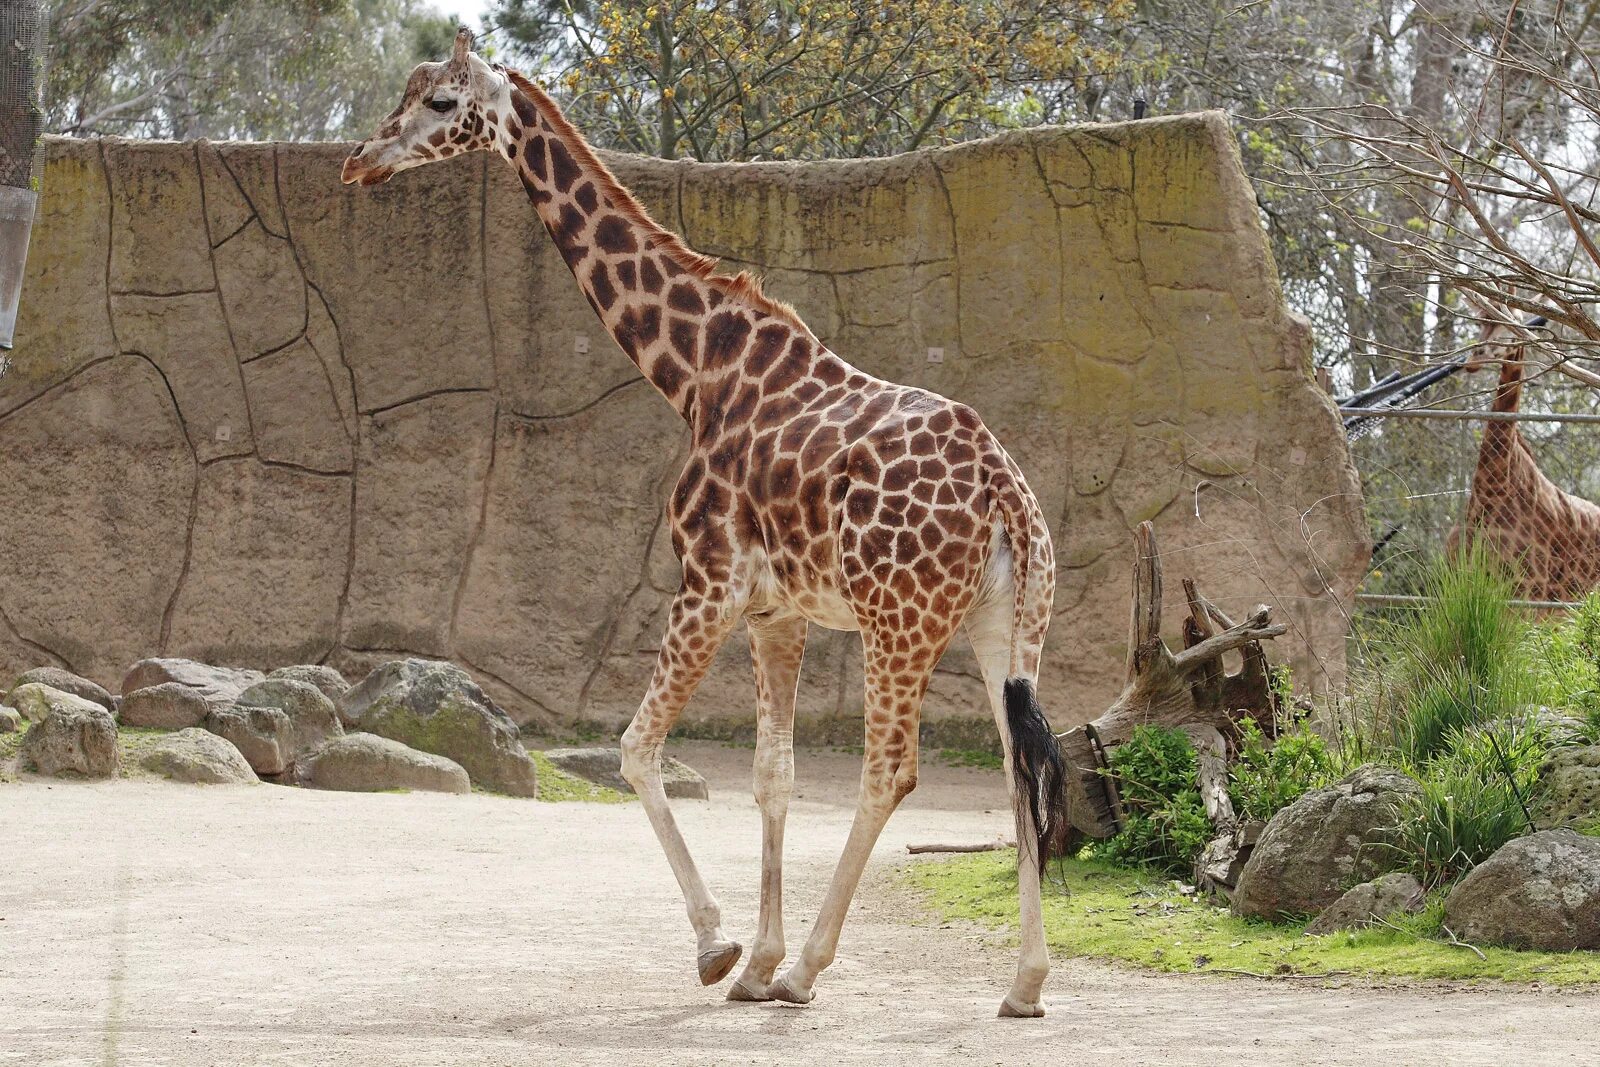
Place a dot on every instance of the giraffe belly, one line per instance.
(820, 604)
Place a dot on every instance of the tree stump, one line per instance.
(1187, 690)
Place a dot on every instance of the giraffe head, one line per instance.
(448, 108)
(1502, 336)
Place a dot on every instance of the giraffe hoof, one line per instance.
(782, 990)
(742, 991)
(1010, 1009)
(715, 962)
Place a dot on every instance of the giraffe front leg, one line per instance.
(776, 647)
(696, 628)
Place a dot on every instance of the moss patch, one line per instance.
(132, 743)
(1113, 913)
(557, 786)
(970, 757)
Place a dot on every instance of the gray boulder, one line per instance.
(220, 686)
(438, 708)
(312, 718)
(603, 766)
(1397, 893)
(10, 720)
(367, 763)
(329, 682)
(1324, 843)
(67, 682)
(196, 755)
(67, 735)
(264, 736)
(1541, 891)
(1569, 787)
(167, 706)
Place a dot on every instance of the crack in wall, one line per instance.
(580, 409)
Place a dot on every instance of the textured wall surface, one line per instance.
(257, 417)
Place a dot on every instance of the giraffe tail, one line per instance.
(1038, 770)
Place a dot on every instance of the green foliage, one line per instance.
(1166, 823)
(1473, 800)
(1456, 663)
(1107, 912)
(1455, 699)
(811, 78)
(1564, 659)
(1269, 776)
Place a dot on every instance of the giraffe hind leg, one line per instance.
(895, 686)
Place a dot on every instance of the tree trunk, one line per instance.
(1187, 690)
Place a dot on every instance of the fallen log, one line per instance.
(1189, 690)
(981, 846)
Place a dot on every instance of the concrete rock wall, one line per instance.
(256, 417)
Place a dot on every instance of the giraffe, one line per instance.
(1551, 537)
(813, 493)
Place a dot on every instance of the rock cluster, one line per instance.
(67, 736)
(437, 707)
(411, 724)
(1323, 843)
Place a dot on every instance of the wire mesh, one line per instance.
(1418, 475)
(22, 57)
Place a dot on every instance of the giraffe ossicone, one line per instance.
(813, 493)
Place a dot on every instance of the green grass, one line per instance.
(1113, 913)
(970, 757)
(557, 786)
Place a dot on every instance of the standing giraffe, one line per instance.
(1549, 537)
(813, 493)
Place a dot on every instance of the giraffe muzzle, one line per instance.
(356, 171)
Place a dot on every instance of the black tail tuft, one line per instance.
(1037, 767)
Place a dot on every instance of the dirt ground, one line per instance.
(148, 923)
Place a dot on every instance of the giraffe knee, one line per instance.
(892, 781)
(905, 780)
(639, 757)
(774, 779)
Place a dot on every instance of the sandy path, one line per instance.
(146, 923)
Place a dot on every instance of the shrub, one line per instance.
(1460, 661)
(1166, 824)
(1473, 800)
(1564, 658)
(1269, 776)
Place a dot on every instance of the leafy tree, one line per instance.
(809, 78)
(253, 69)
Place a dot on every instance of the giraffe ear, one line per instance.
(463, 46)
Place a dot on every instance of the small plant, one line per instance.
(1269, 776)
(1166, 824)
(1473, 800)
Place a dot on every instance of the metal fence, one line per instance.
(1417, 467)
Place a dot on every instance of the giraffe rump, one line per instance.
(1037, 767)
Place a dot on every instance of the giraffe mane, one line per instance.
(743, 286)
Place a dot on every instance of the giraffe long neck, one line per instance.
(1503, 458)
(657, 298)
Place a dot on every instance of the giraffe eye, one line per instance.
(441, 105)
